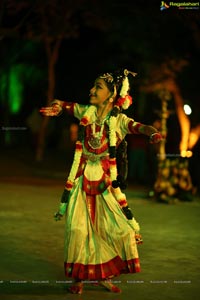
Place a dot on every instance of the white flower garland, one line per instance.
(134, 224)
(112, 130)
(86, 119)
(79, 148)
(76, 162)
(124, 94)
(112, 126)
(125, 87)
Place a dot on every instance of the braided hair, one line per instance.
(117, 82)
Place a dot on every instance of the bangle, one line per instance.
(152, 135)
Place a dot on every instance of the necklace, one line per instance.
(95, 138)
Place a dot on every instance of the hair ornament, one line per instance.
(126, 72)
(125, 87)
(125, 100)
(107, 77)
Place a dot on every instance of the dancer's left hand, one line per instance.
(58, 216)
(155, 138)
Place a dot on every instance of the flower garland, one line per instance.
(125, 100)
(79, 149)
(125, 87)
(75, 165)
(134, 224)
(85, 120)
(121, 199)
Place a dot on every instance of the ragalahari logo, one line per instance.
(179, 5)
(164, 5)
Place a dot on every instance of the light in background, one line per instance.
(187, 109)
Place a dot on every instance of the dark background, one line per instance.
(96, 36)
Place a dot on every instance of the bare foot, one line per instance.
(76, 288)
(110, 286)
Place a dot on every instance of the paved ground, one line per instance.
(31, 247)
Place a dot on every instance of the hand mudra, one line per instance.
(50, 111)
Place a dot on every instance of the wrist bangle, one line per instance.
(152, 135)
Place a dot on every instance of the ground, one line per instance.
(31, 248)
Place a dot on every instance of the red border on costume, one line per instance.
(114, 267)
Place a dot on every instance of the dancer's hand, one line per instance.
(138, 239)
(58, 216)
(155, 138)
(51, 111)
(60, 213)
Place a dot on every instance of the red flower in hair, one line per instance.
(120, 101)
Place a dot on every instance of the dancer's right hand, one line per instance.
(51, 111)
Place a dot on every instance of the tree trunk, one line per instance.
(184, 121)
(52, 55)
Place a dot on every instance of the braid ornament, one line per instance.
(125, 100)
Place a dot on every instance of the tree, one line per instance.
(48, 22)
(136, 36)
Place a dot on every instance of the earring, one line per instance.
(111, 100)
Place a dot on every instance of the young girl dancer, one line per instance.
(101, 234)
